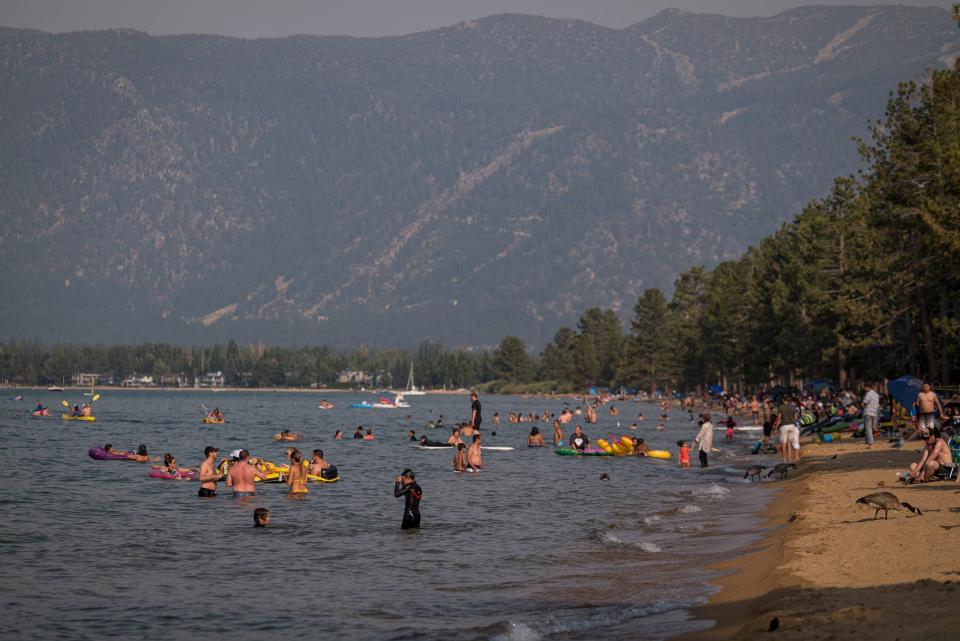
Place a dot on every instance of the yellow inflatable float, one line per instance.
(621, 447)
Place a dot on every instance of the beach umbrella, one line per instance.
(905, 389)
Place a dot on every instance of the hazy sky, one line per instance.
(252, 18)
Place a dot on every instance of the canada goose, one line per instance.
(754, 472)
(781, 469)
(885, 501)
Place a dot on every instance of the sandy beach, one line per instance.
(827, 570)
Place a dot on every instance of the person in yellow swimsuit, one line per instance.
(297, 478)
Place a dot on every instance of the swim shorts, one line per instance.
(206, 492)
(243, 494)
(790, 434)
(926, 422)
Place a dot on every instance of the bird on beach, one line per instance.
(781, 469)
(885, 501)
(754, 472)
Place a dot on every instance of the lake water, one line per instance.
(536, 547)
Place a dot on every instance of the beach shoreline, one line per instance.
(826, 570)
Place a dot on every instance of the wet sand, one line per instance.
(827, 570)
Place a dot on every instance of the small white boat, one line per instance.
(54, 388)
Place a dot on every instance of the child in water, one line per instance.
(261, 517)
(460, 458)
(684, 454)
(730, 425)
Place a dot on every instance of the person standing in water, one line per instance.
(475, 417)
(704, 440)
(474, 456)
(297, 477)
(406, 485)
(208, 473)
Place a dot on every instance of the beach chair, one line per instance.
(951, 473)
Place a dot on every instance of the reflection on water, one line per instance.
(536, 547)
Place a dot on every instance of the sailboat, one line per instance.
(411, 388)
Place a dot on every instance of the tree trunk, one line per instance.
(927, 333)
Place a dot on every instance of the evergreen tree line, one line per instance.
(863, 284)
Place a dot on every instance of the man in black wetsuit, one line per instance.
(424, 441)
(406, 484)
(475, 417)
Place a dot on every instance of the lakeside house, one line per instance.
(212, 379)
(138, 380)
(355, 377)
(175, 380)
(86, 379)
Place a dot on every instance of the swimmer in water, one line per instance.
(242, 474)
(261, 517)
(474, 456)
(536, 438)
(318, 464)
(640, 448)
(297, 478)
(579, 440)
(208, 474)
(460, 458)
(337, 435)
(369, 435)
(406, 486)
(141, 455)
(412, 436)
(557, 433)
(455, 439)
(359, 432)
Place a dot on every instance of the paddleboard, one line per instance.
(495, 448)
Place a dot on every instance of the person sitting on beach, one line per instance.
(536, 438)
(261, 517)
(141, 455)
(460, 458)
(359, 432)
(579, 440)
(640, 448)
(474, 457)
(455, 439)
(241, 475)
(557, 433)
(936, 455)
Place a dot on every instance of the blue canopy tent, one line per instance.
(818, 384)
(716, 388)
(904, 390)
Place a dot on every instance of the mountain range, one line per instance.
(495, 177)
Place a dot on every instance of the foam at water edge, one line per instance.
(591, 622)
(652, 548)
(518, 632)
(713, 490)
(689, 509)
(653, 518)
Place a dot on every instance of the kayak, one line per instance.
(207, 419)
(590, 451)
(89, 419)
